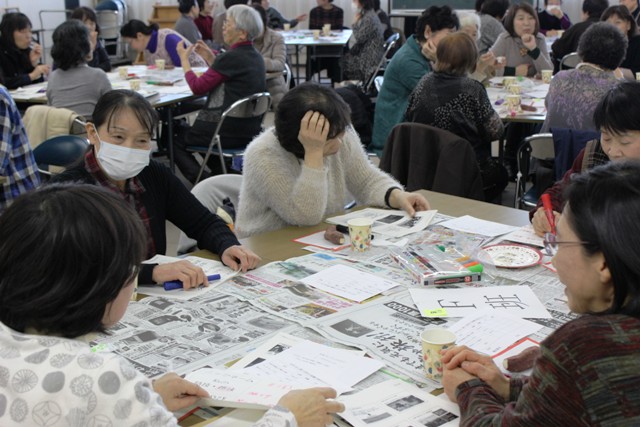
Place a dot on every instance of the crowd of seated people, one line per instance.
(306, 167)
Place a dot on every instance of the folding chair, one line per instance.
(388, 45)
(569, 61)
(287, 75)
(60, 151)
(538, 146)
(252, 106)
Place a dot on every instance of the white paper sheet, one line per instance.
(491, 332)
(525, 235)
(348, 283)
(392, 223)
(519, 301)
(309, 364)
(469, 224)
(395, 403)
(318, 240)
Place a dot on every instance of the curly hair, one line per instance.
(604, 45)
(71, 45)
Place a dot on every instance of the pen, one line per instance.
(159, 83)
(345, 230)
(548, 210)
(177, 284)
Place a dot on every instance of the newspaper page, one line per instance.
(395, 223)
(158, 335)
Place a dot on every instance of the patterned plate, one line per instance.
(513, 256)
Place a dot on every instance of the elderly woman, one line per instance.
(448, 99)
(158, 43)
(470, 24)
(588, 370)
(617, 117)
(119, 159)
(73, 84)
(623, 19)
(271, 46)
(410, 63)
(73, 252)
(364, 55)
(574, 94)
(235, 74)
(19, 56)
(521, 44)
(310, 165)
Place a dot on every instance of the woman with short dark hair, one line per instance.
(491, 13)
(69, 257)
(574, 94)
(623, 20)
(73, 84)
(19, 54)
(449, 99)
(588, 370)
(309, 165)
(617, 118)
(89, 18)
(524, 48)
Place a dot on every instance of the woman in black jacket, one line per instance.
(19, 55)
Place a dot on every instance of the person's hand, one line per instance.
(429, 50)
(35, 53)
(189, 274)
(238, 257)
(451, 379)
(541, 223)
(39, 71)
(551, 33)
(408, 202)
(301, 18)
(529, 41)
(485, 61)
(522, 70)
(184, 52)
(314, 130)
(205, 52)
(311, 406)
(176, 392)
(476, 365)
(556, 11)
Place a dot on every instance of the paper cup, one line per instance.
(316, 34)
(123, 72)
(326, 29)
(508, 81)
(160, 64)
(501, 59)
(287, 26)
(134, 84)
(433, 340)
(546, 76)
(360, 234)
(515, 89)
(637, 76)
(513, 102)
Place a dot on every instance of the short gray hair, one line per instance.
(247, 19)
(469, 18)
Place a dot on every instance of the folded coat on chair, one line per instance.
(424, 157)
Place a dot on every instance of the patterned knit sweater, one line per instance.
(279, 190)
(588, 374)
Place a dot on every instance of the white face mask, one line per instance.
(121, 163)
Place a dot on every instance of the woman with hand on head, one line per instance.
(73, 251)
(158, 43)
(19, 54)
(617, 118)
(588, 370)
(119, 159)
(100, 58)
(521, 44)
(309, 165)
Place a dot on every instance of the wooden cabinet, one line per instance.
(165, 15)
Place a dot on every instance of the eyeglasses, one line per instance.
(551, 243)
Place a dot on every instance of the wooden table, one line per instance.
(278, 245)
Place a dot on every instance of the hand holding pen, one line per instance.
(545, 218)
(190, 275)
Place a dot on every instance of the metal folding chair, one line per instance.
(538, 146)
(252, 106)
(570, 60)
(388, 45)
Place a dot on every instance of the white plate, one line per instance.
(513, 256)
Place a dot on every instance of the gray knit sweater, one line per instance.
(278, 190)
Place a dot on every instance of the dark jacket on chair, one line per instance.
(424, 157)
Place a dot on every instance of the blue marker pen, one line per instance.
(177, 284)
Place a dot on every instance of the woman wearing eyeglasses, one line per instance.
(588, 371)
(617, 118)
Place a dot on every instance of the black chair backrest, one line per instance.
(60, 151)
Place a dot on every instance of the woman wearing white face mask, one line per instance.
(119, 159)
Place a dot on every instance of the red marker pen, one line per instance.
(548, 210)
